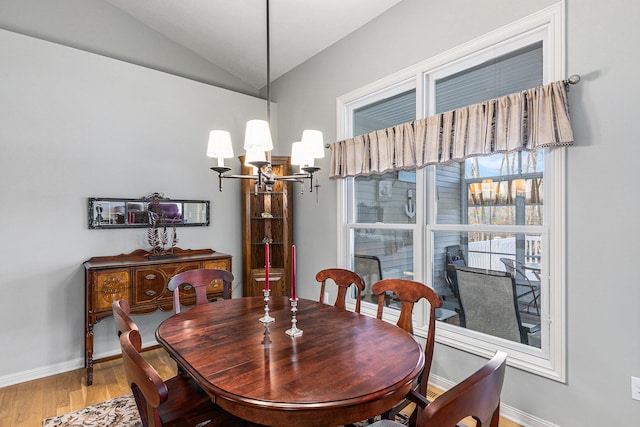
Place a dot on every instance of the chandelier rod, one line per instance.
(264, 172)
(268, 154)
(268, 69)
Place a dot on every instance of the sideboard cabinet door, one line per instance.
(109, 286)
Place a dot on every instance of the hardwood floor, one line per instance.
(27, 404)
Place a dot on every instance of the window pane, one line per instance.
(388, 112)
(490, 282)
(508, 202)
(505, 164)
(382, 254)
(516, 71)
(388, 198)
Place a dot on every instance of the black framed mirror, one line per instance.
(106, 212)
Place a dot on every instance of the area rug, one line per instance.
(118, 412)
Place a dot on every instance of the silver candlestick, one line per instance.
(266, 318)
(294, 331)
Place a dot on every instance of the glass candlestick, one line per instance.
(294, 331)
(266, 318)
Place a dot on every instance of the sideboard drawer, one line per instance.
(150, 283)
(222, 264)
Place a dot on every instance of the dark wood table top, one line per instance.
(345, 367)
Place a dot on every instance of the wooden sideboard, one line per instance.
(142, 281)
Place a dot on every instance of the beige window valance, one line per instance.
(528, 120)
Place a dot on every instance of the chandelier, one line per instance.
(258, 145)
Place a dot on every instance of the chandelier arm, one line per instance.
(291, 179)
(295, 177)
(241, 176)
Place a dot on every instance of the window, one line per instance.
(381, 219)
(503, 189)
(501, 216)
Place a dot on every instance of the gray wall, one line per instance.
(75, 125)
(602, 277)
(54, 155)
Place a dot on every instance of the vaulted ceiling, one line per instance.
(232, 33)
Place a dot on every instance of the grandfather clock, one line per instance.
(267, 217)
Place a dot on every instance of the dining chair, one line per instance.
(198, 280)
(176, 402)
(528, 290)
(343, 279)
(409, 292)
(478, 396)
(490, 304)
(124, 322)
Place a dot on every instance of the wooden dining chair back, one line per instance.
(343, 279)
(410, 292)
(199, 280)
(478, 397)
(123, 321)
(177, 401)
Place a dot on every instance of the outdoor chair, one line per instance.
(449, 277)
(454, 255)
(491, 305)
(369, 267)
(528, 290)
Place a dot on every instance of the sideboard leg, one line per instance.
(88, 341)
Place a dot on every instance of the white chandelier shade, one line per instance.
(257, 136)
(220, 146)
(313, 139)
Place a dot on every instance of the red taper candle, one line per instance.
(266, 266)
(293, 272)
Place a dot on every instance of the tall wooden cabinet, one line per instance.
(267, 216)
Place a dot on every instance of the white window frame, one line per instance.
(546, 25)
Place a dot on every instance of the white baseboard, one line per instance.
(509, 412)
(45, 371)
(59, 368)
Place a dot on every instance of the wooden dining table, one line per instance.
(344, 368)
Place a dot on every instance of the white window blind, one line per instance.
(514, 72)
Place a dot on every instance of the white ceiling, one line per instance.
(232, 33)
